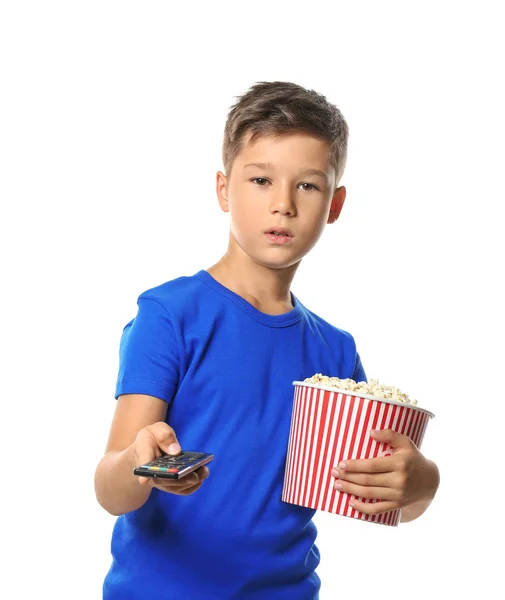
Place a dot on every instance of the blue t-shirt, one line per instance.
(225, 370)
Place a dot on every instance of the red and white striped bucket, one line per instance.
(330, 425)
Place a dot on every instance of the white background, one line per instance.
(111, 129)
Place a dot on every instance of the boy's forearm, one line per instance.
(116, 488)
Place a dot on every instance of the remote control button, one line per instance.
(173, 470)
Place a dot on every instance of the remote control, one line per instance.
(176, 466)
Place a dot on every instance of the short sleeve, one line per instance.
(149, 361)
(359, 372)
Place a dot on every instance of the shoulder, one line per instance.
(328, 330)
(174, 292)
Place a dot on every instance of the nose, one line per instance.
(282, 202)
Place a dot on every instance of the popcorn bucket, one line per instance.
(329, 425)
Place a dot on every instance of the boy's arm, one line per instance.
(117, 488)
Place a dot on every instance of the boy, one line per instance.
(209, 361)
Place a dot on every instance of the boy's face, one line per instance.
(281, 194)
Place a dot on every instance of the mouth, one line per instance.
(279, 235)
(279, 231)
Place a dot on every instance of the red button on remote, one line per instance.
(173, 470)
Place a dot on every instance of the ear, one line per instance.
(222, 193)
(337, 203)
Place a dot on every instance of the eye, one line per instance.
(260, 179)
(312, 186)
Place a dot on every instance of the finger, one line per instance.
(194, 477)
(373, 508)
(174, 488)
(366, 479)
(178, 486)
(165, 437)
(393, 438)
(203, 472)
(381, 464)
(370, 492)
(186, 481)
(175, 485)
(152, 441)
(190, 490)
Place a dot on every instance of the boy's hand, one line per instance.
(403, 478)
(153, 441)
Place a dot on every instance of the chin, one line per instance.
(271, 258)
(278, 263)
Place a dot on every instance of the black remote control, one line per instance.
(171, 466)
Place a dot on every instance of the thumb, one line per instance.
(165, 438)
(393, 438)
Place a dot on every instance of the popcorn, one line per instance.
(372, 388)
(329, 425)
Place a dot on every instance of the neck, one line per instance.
(263, 286)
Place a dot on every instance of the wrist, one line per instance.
(117, 489)
(130, 457)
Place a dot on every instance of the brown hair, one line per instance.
(279, 107)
